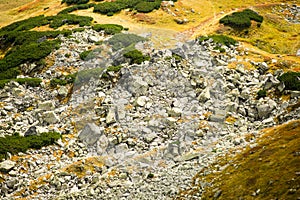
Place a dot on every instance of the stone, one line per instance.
(90, 134)
(102, 144)
(141, 101)
(93, 39)
(30, 131)
(150, 137)
(50, 117)
(7, 165)
(63, 91)
(9, 108)
(111, 116)
(298, 52)
(263, 111)
(46, 105)
(204, 96)
(218, 116)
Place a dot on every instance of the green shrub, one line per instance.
(63, 80)
(291, 80)
(10, 73)
(70, 19)
(70, 2)
(146, 7)
(121, 40)
(241, 20)
(15, 144)
(109, 7)
(87, 55)
(27, 53)
(76, 7)
(136, 57)
(33, 82)
(221, 39)
(109, 29)
(261, 94)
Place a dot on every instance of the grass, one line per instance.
(267, 171)
(15, 143)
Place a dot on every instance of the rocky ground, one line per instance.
(142, 132)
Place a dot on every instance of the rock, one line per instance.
(218, 116)
(50, 117)
(204, 96)
(46, 105)
(90, 134)
(7, 165)
(187, 157)
(102, 144)
(150, 137)
(93, 39)
(9, 108)
(141, 101)
(111, 116)
(31, 131)
(63, 91)
(298, 52)
(263, 111)
(295, 94)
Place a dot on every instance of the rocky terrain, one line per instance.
(142, 132)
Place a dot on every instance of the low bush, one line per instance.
(109, 29)
(221, 39)
(291, 80)
(241, 20)
(70, 2)
(136, 57)
(76, 7)
(261, 94)
(27, 53)
(15, 144)
(121, 40)
(63, 80)
(109, 7)
(10, 73)
(70, 19)
(146, 6)
(33, 82)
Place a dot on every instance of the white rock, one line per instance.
(7, 165)
(141, 101)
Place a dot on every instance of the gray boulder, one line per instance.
(90, 134)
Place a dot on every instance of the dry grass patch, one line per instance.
(269, 170)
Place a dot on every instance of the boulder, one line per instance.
(46, 105)
(111, 116)
(90, 134)
(7, 165)
(50, 117)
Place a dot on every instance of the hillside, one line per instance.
(149, 99)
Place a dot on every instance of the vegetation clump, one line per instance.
(76, 7)
(241, 20)
(136, 56)
(69, 79)
(261, 94)
(219, 39)
(33, 82)
(109, 29)
(70, 2)
(15, 143)
(291, 80)
(110, 8)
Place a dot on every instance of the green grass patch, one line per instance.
(15, 144)
(241, 20)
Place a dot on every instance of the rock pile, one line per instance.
(148, 129)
